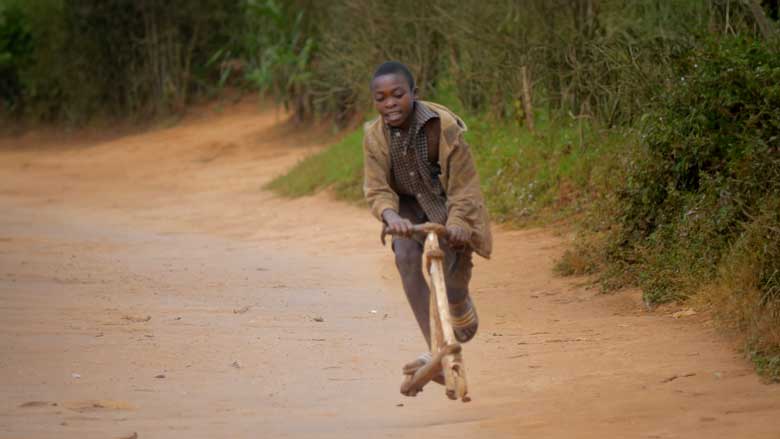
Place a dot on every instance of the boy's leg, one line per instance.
(457, 267)
(457, 272)
(408, 259)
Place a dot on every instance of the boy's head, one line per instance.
(393, 90)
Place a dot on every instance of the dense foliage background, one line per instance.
(75, 59)
(657, 121)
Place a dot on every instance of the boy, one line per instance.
(418, 168)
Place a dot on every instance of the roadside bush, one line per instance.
(708, 158)
(72, 60)
(279, 45)
(602, 60)
(15, 47)
(745, 293)
(698, 211)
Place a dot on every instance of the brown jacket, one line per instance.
(465, 204)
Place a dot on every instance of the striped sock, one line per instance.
(464, 320)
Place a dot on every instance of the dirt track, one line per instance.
(148, 285)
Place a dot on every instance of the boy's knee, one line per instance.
(408, 255)
(458, 267)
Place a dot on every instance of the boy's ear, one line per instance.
(414, 92)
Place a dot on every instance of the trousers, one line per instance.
(408, 260)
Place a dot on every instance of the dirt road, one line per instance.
(149, 286)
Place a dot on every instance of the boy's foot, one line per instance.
(464, 320)
(422, 360)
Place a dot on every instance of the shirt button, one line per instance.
(419, 195)
(397, 134)
(411, 174)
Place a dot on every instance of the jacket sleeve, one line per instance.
(464, 196)
(376, 186)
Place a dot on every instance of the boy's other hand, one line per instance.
(396, 225)
(457, 235)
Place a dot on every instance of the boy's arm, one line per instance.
(377, 190)
(464, 196)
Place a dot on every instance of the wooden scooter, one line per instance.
(446, 352)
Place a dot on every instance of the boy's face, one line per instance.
(393, 99)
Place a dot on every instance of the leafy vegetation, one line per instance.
(697, 216)
(527, 178)
(602, 60)
(15, 45)
(700, 206)
(279, 47)
(339, 167)
(71, 60)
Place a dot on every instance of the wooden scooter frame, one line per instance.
(446, 352)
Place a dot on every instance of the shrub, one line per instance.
(707, 161)
(699, 210)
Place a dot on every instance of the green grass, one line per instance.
(541, 177)
(526, 177)
(339, 167)
(768, 366)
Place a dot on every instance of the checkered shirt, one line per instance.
(413, 173)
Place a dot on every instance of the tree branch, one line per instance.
(763, 24)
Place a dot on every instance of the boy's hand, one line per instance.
(457, 235)
(396, 225)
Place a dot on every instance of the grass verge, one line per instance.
(527, 178)
(338, 167)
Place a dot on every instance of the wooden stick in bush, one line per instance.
(527, 106)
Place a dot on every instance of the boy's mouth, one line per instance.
(394, 116)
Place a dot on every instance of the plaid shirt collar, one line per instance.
(421, 114)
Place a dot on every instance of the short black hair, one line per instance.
(394, 68)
